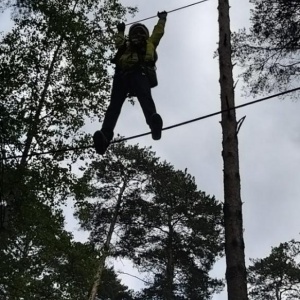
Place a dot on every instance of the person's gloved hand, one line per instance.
(162, 15)
(121, 27)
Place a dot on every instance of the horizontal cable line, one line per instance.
(170, 11)
(86, 147)
(165, 128)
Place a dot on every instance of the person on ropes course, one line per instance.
(135, 75)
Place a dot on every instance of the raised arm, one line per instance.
(159, 28)
(120, 36)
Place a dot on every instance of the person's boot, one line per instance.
(156, 126)
(101, 143)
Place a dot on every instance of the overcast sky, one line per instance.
(188, 88)
(269, 138)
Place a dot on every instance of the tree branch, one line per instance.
(147, 282)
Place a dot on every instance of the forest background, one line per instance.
(188, 88)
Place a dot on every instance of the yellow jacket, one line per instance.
(129, 59)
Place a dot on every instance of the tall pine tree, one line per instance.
(176, 236)
(276, 276)
(39, 260)
(160, 221)
(103, 194)
(54, 77)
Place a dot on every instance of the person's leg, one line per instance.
(103, 137)
(141, 86)
(118, 96)
(139, 83)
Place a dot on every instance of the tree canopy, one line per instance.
(165, 226)
(54, 77)
(269, 53)
(278, 275)
(40, 260)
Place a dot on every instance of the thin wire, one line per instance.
(115, 141)
(165, 128)
(212, 115)
(170, 11)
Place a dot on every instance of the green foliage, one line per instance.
(175, 235)
(278, 275)
(109, 184)
(35, 255)
(166, 226)
(270, 52)
(39, 260)
(111, 287)
(122, 166)
(54, 73)
(54, 76)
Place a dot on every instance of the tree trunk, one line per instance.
(33, 130)
(170, 263)
(3, 205)
(14, 203)
(233, 219)
(106, 246)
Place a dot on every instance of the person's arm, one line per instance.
(159, 28)
(120, 36)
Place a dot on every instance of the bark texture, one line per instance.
(233, 218)
(106, 246)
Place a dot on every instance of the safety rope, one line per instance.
(165, 128)
(170, 11)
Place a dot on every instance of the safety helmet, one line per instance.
(138, 26)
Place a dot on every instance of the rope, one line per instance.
(211, 115)
(115, 141)
(165, 128)
(170, 11)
